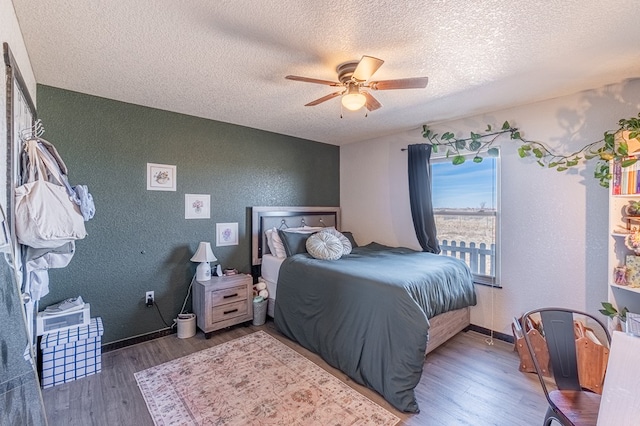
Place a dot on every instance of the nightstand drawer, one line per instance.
(229, 295)
(230, 310)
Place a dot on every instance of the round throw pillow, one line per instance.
(325, 246)
(346, 244)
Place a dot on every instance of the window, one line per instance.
(466, 205)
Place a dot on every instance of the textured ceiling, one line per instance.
(226, 59)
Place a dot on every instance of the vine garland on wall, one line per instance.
(613, 146)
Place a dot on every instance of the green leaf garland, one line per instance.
(481, 144)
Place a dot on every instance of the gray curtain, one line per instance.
(420, 197)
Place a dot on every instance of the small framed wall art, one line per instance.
(161, 177)
(197, 206)
(226, 234)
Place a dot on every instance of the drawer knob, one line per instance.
(230, 295)
(231, 311)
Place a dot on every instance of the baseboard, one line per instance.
(167, 331)
(500, 336)
(137, 339)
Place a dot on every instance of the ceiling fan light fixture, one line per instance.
(353, 100)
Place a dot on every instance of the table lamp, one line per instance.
(204, 255)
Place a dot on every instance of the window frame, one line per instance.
(488, 280)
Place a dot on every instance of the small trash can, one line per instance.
(186, 325)
(259, 311)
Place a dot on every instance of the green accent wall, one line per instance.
(139, 240)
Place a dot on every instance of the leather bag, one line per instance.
(539, 347)
(592, 358)
(45, 215)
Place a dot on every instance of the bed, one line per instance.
(369, 313)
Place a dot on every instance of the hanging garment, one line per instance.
(37, 265)
(50, 150)
(85, 201)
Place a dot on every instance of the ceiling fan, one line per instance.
(354, 81)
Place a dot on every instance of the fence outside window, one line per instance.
(481, 260)
(469, 235)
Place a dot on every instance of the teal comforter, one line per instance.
(367, 313)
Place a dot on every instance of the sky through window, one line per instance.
(468, 185)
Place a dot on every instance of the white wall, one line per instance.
(10, 33)
(554, 224)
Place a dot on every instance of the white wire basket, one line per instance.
(633, 324)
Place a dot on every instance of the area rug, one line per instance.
(253, 380)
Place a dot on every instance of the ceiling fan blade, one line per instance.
(324, 98)
(372, 103)
(313, 80)
(402, 83)
(366, 67)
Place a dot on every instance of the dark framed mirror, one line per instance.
(19, 384)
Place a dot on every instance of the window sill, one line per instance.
(487, 284)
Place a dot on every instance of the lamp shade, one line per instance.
(204, 253)
(353, 100)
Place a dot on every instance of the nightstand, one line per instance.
(222, 302)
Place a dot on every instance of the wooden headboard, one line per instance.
(263, 218)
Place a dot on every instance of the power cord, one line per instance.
(161, 317)
(489, 340)
(155, 303)
(187, 296)
(175, 322)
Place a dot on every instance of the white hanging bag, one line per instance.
(45, 215)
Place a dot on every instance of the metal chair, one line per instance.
(570, 402)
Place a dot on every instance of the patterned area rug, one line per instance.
(253, 380)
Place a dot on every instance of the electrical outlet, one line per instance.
(149, 298)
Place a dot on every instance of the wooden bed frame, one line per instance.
(443, 326)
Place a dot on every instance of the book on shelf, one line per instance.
(625, 180)
(633, 270)
(616, 178)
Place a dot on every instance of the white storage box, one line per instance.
(71, 354)
(53, 323)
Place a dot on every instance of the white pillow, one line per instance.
(346, 244)
(275, 243)
(268, 234)
(324, 246)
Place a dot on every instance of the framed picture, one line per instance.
(197, 206)
(227, 234)
(161, 177)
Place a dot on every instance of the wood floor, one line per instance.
(464, 382)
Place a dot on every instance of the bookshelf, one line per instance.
(625, 188)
